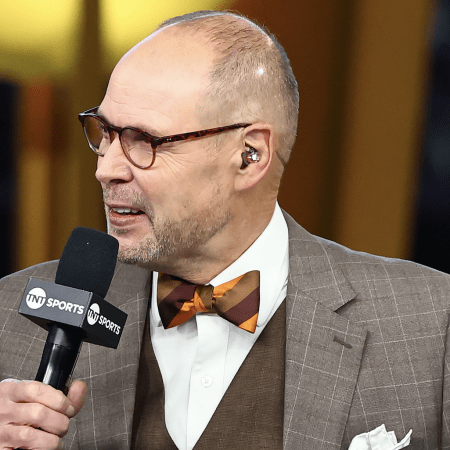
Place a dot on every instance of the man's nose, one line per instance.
(113, 166)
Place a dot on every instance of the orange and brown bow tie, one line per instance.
(236, 301)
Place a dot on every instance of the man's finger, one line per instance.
(36, 392)
(27, 437)
(77, 395)
(39, 416)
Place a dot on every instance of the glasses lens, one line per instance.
(138, 147)
(97, 135)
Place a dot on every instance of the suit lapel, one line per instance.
(323, 350)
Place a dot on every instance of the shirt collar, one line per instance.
(269, 254)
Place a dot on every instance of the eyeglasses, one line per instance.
(138, 145)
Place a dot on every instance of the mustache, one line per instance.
(118, 194)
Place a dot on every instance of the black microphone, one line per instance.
(73, 308)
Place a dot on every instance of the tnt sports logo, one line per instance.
(36, 298)
(93, 314)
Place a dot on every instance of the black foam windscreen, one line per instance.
(88, 261)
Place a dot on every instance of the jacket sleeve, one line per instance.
(445, 414)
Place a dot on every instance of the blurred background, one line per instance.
(371, 166)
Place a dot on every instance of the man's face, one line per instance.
(184, 200)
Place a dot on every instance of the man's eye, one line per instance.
(144, 140)
(139, 137)
(104, 131)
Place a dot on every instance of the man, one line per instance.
(342, 342)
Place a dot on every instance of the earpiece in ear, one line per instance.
(249, 156)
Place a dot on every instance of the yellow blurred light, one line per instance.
(37, 36)
(41, 37)
(125, 23)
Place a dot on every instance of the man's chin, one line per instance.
(142, 254)
(117, 232)
(132, 245)
(132, 259)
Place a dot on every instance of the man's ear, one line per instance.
(256, 155)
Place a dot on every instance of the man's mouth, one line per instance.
(126, 211)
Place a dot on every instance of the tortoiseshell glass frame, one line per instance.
(153, 140)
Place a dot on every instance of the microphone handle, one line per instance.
(60, 355)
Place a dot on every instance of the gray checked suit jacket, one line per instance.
(366, 345)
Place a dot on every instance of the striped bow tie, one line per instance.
(236, 301)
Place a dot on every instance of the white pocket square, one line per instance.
(379, 439)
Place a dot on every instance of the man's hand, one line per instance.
(36, 416)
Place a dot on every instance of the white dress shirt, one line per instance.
(199, 359)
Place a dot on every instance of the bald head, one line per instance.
(251, 78)
(245, 74)
(160, 82)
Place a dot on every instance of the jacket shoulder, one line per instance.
(342, 256)
(390, 267)
(12, 286)
(46, 270)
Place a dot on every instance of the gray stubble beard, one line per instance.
(181, 239)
